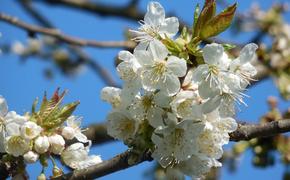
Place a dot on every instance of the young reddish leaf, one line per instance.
(206, 14)
(219, 23)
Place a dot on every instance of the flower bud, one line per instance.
(56, 143)
(30, 130)
(30, 157)
(68, 133)
(41, 177)
(56, 171)
(41, 144)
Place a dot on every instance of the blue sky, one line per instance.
(21, 82)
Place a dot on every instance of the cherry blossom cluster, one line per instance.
(182, 114)
(24, 136)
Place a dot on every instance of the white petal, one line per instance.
(3, 107)
(125, 71)
(125, 55)
(177, 66)
(158, 50)
(155, 14)
(249, 69)
(248, 53)
(206, 90)
(229, 124)
(155, 117)
(211, 104)
(199, 73)
(143, 57)
(171, 85)
(212, 53)
(142, 45)
(13, 129)
(169, 27)
(81, 137)
(162, 100)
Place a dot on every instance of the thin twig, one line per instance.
(62, 37)
(83, 57)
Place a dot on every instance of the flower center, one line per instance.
(147, 102)
(184, 108)
(159, 68)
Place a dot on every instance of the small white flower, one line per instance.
(68, 133)
(129, 66)
(112, 96)
(76, 157)
(160, 72)
(242, 65)
(56, 143)
(17, 145)
(18, 48)
(155, 25)
(34, 45)
(41, 144)
(176, 142)
(207, 75)
(216, 134)
(121, 125)
(73, 154)
(30, 157)
(128, 71)
(73, 126)
(150, 107)
(186, 105)
(197, 165)
(30, 130)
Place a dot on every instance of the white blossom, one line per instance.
(56, 143)
(155, 25)
(17, 145)
(150, 106)
(76, 156)
(121, 125)
(242, 65)
(176, 142)
(186, 104)
(160, 72)
(73, 129)
(30, 157)
(29, 130)
(41, 144)
(112, 95)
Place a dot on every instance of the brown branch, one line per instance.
(120, 162)
(98, 134)
(115, 164)
(62, 37)
(249, 131)
(129, 11)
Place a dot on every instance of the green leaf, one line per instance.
(171, 45)
(33, 108)
(218, 23)
(228, 46)
(59, 115)
(195, 18)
